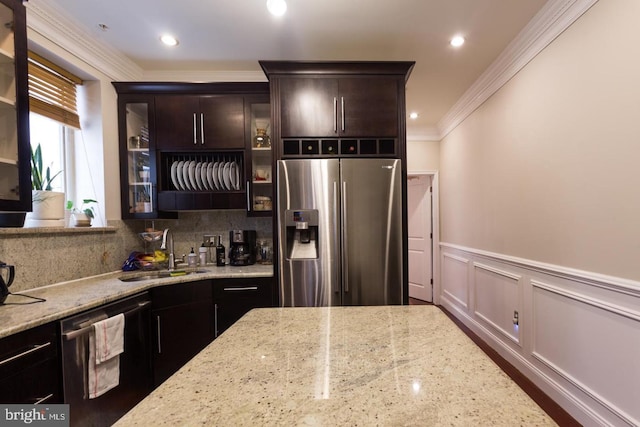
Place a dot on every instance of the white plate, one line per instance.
(174, 176)
(221, 167)
(237, 171)
(198, 173)
(214, 175)
(203, 176)
(179, 175)
(192, 175)
(227, 176)
(185, 175)
(233, 175)
(212, 185)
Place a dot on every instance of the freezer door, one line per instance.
(372, 254)
(309, 278)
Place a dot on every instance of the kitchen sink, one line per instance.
(159, 275)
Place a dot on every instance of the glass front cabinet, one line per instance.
(15, 167)
(260, 179)
(137, 157)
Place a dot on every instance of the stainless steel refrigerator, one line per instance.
(340, 232)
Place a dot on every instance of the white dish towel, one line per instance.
(105, 346)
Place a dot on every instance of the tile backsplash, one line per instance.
(45, 258)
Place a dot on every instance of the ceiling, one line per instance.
(233, 35)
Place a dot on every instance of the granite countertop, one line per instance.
(338, 366)
(67, 298)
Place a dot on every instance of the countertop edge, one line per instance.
(71, 297)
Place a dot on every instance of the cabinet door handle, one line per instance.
(158, 328)
(248, 198)
(335, 114)
(24, 353)
(342, 111)
(201, 128)
(241, 288)
(195, 129)
(215, 320)
(43, 399)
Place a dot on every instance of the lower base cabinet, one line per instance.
(235, 297)
(30, 367)
(182, 320)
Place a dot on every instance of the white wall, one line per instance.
(423, 156)
(547, 169)
(540, 214)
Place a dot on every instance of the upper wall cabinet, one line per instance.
(188, 146)
(338, 108)
(15, 167)
(325, 107)
(205, 122)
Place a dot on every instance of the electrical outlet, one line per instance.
(516, 318)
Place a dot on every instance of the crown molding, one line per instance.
(53, 26)
(555, 17)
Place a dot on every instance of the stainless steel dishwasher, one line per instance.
(135, 362)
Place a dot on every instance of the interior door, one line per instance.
(420, 237)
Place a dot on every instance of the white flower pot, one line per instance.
(47, 205)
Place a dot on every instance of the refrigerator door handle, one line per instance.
(336, 245)
(345, 248)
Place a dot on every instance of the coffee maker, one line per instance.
(242, 247)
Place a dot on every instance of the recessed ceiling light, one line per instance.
(457, 41)
(277, 7)
(414, 115)
(169, 40)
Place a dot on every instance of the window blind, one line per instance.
(52, 91)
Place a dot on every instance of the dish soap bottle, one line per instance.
(220, 256)
(192, 259)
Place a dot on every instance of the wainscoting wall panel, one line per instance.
(456, 287)
(497, 295)
(604, 343)
(578, 333)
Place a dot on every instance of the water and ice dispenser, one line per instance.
(302, 233)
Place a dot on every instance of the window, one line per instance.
(55, 125)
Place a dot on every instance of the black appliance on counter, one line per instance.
(242, 247)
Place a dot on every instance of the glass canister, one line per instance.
(264, 252)
(261, 140)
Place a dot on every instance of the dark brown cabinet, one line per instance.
(30, 367)
(350, 106)
(235, 297)
(188, 146)
(182, 323)
(331, 109)
(206, 122)
(15, 171)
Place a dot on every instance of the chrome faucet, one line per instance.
(163, 246)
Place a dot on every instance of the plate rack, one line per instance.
(203, 172)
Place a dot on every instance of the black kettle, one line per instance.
(5, 282)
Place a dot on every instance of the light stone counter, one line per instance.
(65, 299)
(341, 366)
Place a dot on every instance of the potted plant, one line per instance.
(48, 205)
(84, 215)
